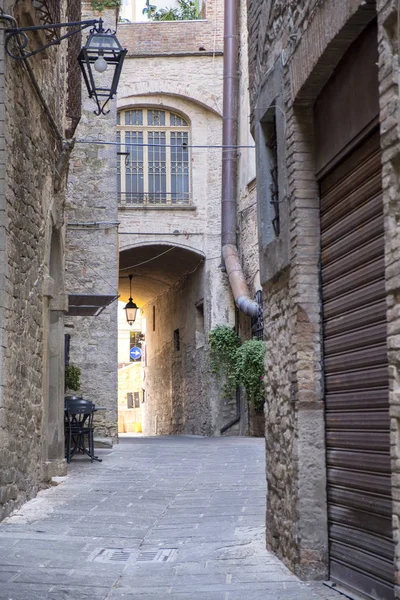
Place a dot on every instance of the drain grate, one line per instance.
(124, 555)
(111, 555)
(162, 555)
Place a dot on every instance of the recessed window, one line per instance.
(268, 191)
(153, 158)
(200, 317)
(200, 340)
(177, 341)
(272, 150)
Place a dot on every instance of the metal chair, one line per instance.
(79, 427)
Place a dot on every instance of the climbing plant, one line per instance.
(239, 364)
(250, 369)
(224, 343)
(100, 5)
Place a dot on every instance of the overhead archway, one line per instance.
(161, 379)
(155, 269)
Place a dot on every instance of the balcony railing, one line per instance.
(137, 199)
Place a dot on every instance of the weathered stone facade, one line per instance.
(33, 158)
(92, 255)
(294, 48)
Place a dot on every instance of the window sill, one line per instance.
(167, 207)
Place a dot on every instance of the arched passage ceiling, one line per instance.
(155, 268)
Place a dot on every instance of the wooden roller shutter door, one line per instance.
(356, 374)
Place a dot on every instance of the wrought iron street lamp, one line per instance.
(104, 52)
(100, 59)
(130, 308)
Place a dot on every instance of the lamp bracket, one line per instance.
(18, 35)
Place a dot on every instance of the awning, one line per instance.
(88, 305)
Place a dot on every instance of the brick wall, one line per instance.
(175, 37)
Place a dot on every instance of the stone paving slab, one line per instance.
(177, 518)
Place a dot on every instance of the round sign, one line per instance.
(135, 353)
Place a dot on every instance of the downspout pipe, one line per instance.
(230, 253)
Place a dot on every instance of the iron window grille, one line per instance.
(49, 12)
(272, 145)
(257, 324)
(74, 87)
(153, 158)
(177, 340)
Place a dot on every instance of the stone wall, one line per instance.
(296, 513)
(181, 395)
(177, 380)
(92, 254)
(32, 183)
(390, 142)
(301, 43)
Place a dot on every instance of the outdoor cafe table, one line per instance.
(78, 417)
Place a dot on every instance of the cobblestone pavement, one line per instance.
(180, 518)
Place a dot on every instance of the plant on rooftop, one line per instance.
(149, 10)
(186, 10)
(100, 5)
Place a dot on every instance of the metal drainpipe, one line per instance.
(229, 162)
(230, 252)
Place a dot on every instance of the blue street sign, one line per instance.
(135, 353)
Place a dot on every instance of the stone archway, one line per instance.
(170, 287)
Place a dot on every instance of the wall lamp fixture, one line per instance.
(102, 52)
(130, 308)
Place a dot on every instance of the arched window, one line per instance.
(153, 158)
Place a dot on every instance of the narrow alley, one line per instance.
(167, 517)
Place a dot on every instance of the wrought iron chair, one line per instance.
(79, 427)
